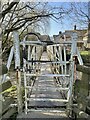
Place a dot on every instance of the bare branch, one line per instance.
(4, 12)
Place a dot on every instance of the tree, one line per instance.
(21, 16)
(80, 13)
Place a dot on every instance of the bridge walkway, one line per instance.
(44, 98)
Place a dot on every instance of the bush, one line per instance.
(85, 56)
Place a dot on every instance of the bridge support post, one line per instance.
(0, 79)
(72, 74)
(0, 68)
(17, 67)
(70, 92)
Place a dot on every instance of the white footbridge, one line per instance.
(48, 76)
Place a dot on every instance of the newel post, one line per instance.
(17, 67)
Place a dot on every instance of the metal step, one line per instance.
(44, 43)
(48, 75)
(46, 110)
(49, 88)
(46, 99)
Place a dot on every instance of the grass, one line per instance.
(85, 56)
(85, 53)
(13, 88)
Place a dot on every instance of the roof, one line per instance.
(45, 38)
(37, 36)
(80, 33)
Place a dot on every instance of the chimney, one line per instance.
(75, 27)
(60, 32)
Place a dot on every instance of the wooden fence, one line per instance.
(7, 99)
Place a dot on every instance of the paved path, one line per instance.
(45, 88)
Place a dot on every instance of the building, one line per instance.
(86, 40)
(68, 34)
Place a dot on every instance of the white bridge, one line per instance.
(48, 75)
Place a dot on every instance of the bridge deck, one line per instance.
(44, 101)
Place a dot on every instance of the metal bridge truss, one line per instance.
(62, 67)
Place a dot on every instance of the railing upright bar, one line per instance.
(17, 67)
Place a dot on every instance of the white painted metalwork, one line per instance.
(58, 88)
(48, 111)
(25, 84)
(16, 49)
(57, 55)
(62, 69)
(16, 43)
(74, 45)
(49, 75)
(60, 55)
(10, 57)
(47, 99)
(79, 57)
(35, 43)
(29, 55)
(65, 54)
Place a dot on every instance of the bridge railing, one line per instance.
(55, 54)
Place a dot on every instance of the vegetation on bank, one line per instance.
(85, 56)
(85, 52)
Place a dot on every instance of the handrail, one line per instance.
(32, 33)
